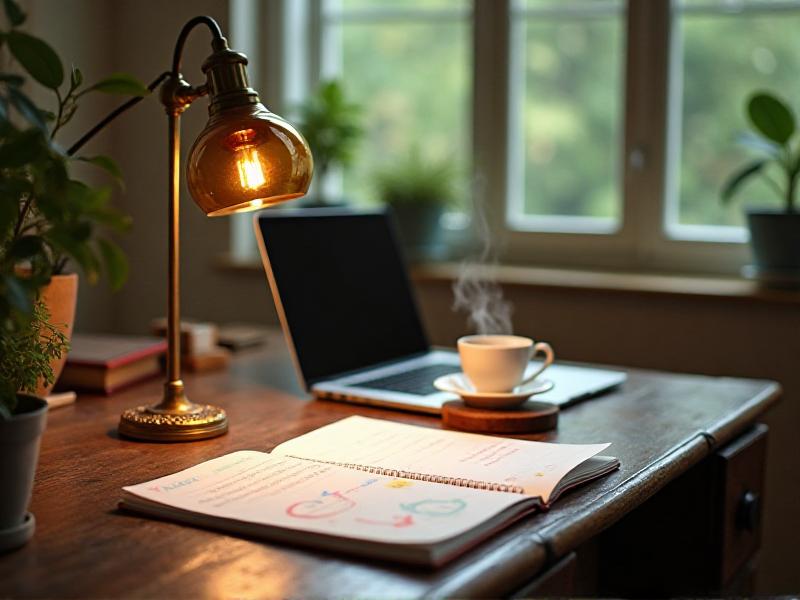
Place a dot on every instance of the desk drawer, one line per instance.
(740, 467)
(697, 535)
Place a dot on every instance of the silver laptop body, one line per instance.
(350, 320)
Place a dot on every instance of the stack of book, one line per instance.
(108, 363)
(200, 349)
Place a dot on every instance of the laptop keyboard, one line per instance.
(416, 381)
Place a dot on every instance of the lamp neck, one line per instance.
(227, 82)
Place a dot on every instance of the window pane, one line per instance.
(730, 49)
(566, 99)
(410, 70)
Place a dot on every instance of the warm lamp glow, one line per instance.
(245, 159)
(251, 176)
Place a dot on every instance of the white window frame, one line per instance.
(644, 240)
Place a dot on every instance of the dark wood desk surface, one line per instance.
(660, 425)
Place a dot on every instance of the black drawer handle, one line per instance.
(748, 513)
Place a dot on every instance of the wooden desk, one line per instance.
(661, 425)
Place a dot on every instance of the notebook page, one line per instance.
(297, 494)
(535, 467)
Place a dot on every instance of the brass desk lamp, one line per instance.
(246, 158)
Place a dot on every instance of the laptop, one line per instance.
(350, 319)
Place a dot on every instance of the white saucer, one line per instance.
(457, 383)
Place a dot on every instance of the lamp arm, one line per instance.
(114, 114)
(217, 43)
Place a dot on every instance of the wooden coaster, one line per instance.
(527, 418)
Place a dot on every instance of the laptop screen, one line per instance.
(343, 287)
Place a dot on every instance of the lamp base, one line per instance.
(144, 423)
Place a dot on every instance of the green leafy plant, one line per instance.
(415, 180)
(775, 138)
(25, 358)
(331, 125)
(47, 217)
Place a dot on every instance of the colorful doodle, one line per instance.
(435, 508)
(366, 483)
(329, 505)
(397, 521)
(399, 483)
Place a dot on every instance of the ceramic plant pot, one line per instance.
(60, 296)
(775, 240)
(419, 229)
(19, 453)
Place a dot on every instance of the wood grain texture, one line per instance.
(658, 423)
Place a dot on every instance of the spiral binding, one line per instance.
(458, 481)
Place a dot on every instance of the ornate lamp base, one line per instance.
(198, 423)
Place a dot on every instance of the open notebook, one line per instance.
(376, 488)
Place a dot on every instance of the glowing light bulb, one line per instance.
(248, 163)
(245, 159)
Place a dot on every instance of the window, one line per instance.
(724, 51)
(590, 132)
(408, 64)
(566, 108)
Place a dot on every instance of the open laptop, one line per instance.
(350, 320)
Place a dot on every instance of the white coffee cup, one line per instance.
(496, 363)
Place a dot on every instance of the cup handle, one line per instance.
(549, 356)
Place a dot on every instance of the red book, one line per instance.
(107, 363)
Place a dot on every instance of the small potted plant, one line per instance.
(28, 344)
(47, 218)
(774, 234)
(418, 191)
(332, 126)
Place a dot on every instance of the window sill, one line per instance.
(613, 282)
(573, 279)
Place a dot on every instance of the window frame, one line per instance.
(650, 102)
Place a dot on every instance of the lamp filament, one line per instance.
(248, 161)
(251, 176)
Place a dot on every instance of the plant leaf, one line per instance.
(12, 79)
(22, 149)
(116, 264)
(14, 13)
(75, 77)
(739, 177)
(8, 214)
(108, 165)
(27, 109)
(111, 217)
(120, 83)
(26, 246)
(37, 57)
(74, 242)
(771, 117)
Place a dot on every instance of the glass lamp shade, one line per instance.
(247, 158)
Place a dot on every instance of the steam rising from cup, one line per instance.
(476, 291)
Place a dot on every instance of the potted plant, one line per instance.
(775, 234)
(25, 354)
(418, 190)
(47, 219)
(331, 125)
